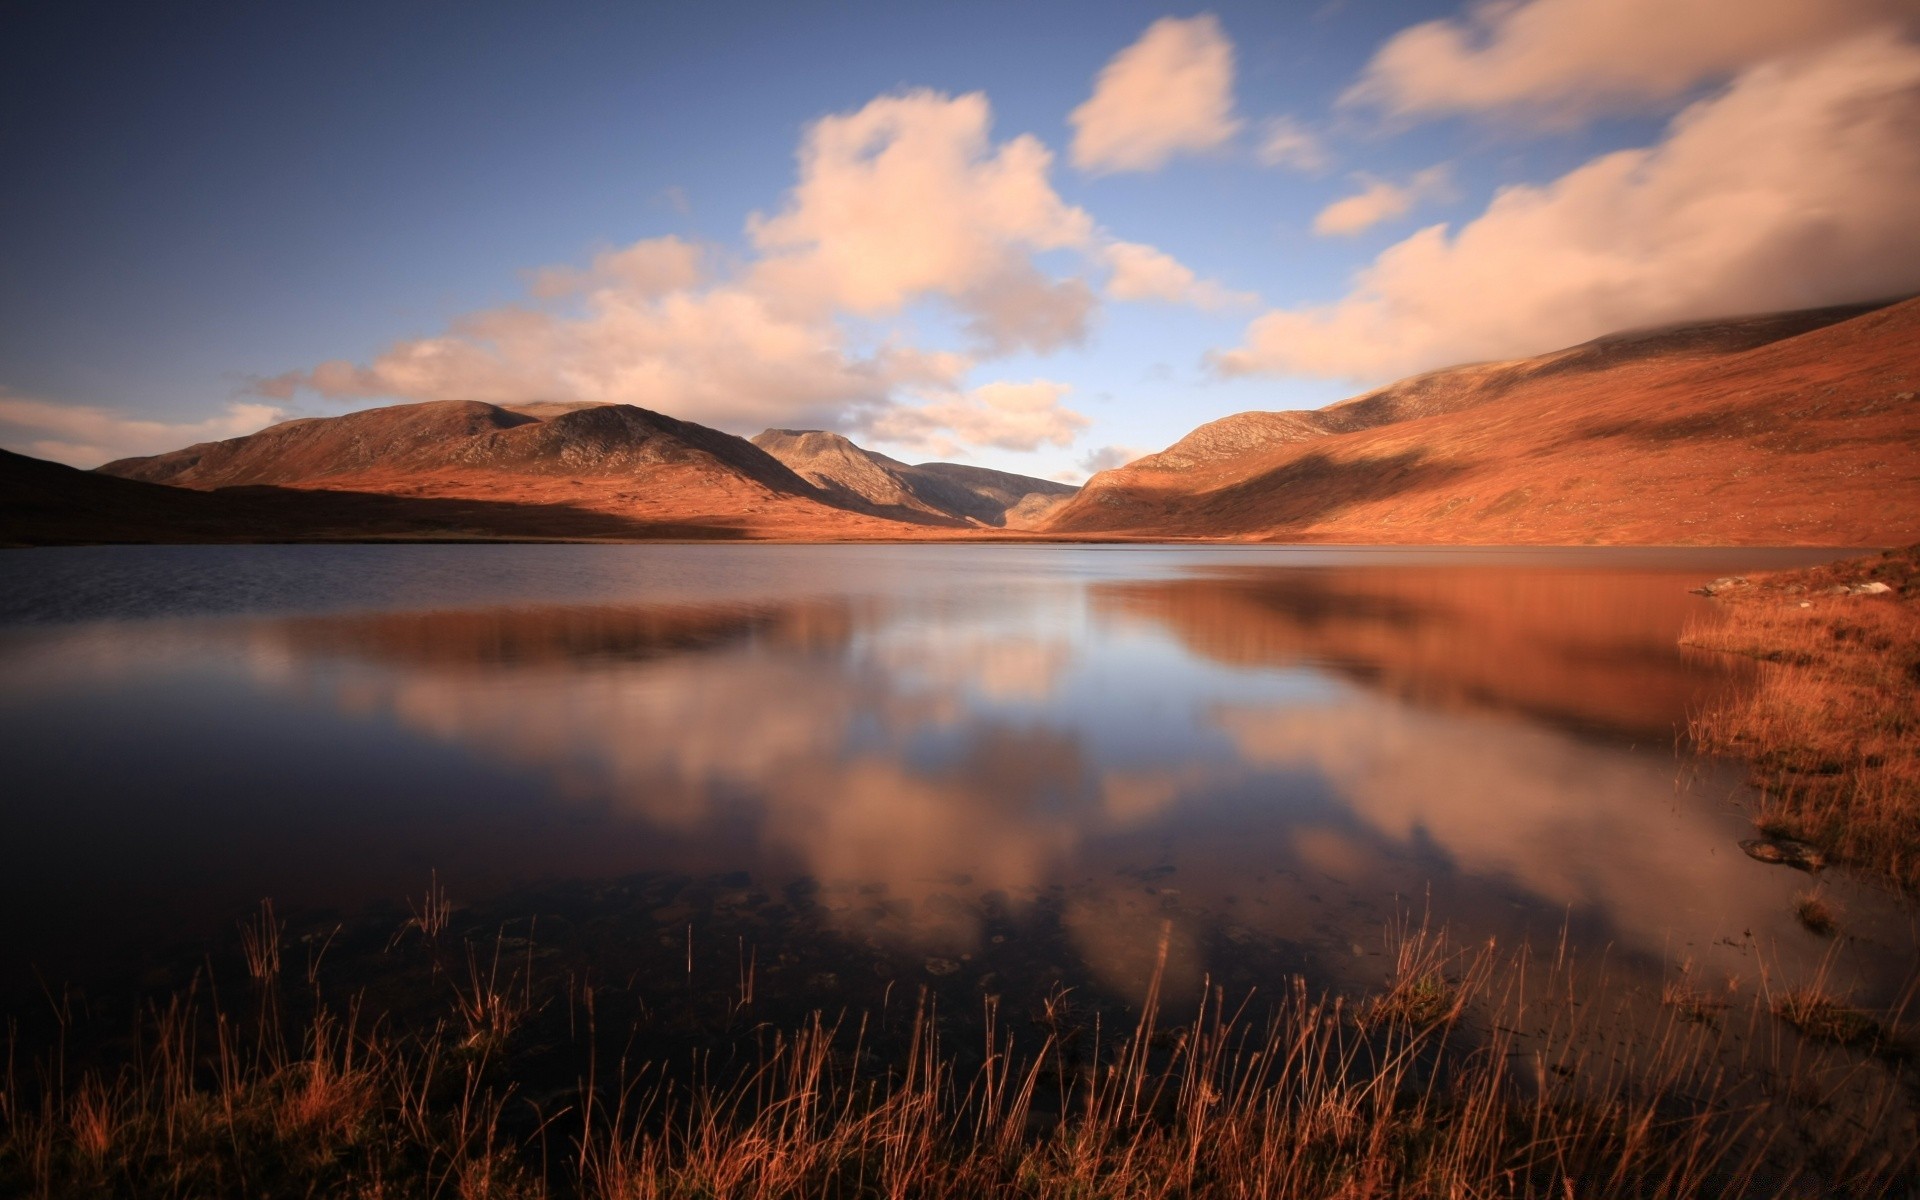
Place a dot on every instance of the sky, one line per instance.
(1039, 237)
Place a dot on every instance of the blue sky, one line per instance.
(199, 201)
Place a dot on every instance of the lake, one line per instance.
(984, 767)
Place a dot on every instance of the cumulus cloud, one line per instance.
(1011, 416)
(1168, 93)
(1381, 200)
(1793, 187)
(908, 197)
(725, 356)
(84, 436)
(1141, 272)
(903, 201)
(1567, 58)
(1285, 142)
(652, 267)
(1022, 309)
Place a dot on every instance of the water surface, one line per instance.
(937, 751)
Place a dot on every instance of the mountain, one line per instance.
(1784, 428)
(46, 504)
(615, 466)
(454, 435)
(926, 493)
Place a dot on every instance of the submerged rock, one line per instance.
(1725, 584)
(1784, 851)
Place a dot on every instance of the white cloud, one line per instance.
(1168, 93)
(1021, 308)
(1381, 200)
(1141, 272)
(652, 267)
(84, 436)
(725, 356)
(905, 200)
(1011, 416)
(1285, 142)
(1568, 58)
(908, 197)
(1794, 187)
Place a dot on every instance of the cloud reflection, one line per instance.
(927, 764)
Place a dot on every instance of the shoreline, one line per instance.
(474, 1053)
(1832, 731)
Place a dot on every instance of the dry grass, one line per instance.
(1833, 726)
(1816, 914)
(1694, 1002)
(1458, 1081)
(1824, 1017)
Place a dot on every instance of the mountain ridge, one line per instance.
(1740, 431)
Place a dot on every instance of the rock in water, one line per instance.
(1784, 851)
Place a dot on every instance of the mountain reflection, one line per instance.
(1592, 649)
(917, 767)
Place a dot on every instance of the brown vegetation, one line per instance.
(1833, 727)
(1455, 1080)
(1749, 431)
(1793, 430)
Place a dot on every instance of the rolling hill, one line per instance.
(1792, 428)
(594, 470)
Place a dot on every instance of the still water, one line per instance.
(936, 751)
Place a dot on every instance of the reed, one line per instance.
(1832, 726)
(1466, 1073)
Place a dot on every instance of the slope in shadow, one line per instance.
(1312, 488)
(45, 503)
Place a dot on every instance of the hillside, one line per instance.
(927, 493)
(592, 469)
(47, 504)
(1785, 428)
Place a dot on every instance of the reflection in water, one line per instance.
(1245, 752)
(1590, 648)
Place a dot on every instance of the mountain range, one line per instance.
(1790, 428)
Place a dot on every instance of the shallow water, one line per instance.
(1269, 753)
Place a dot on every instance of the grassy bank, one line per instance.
(1466, 1073)
(1833, 727)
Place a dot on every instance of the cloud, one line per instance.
(1107, 458)
(908, 197)
(653, 267)
(725, 356)
(1141, 272)
(1793, 187)
(1285, 142)
(1021, 308)
(1168, 93)
(1380, 201)
(905, 200)
(84, 436)
(1568, 58)
(1011, 416)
